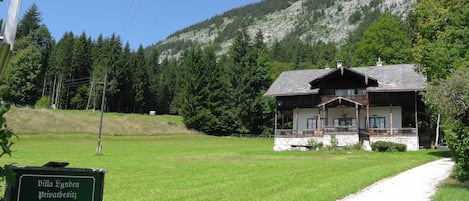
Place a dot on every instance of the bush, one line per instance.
(334, 142)
(5, 143)
(457, 136)
(315, 145)
(383, 146)
(44, 102)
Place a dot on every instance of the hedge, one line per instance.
(383, 146)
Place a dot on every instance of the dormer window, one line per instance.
(349, 92)
(345, 92)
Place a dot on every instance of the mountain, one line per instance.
(309, 20)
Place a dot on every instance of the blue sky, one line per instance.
(136, 21)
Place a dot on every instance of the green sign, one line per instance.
(49, 184)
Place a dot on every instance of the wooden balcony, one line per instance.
(357, 98)
(290, 133)
(338, 130)
(383, 132)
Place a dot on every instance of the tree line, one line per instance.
(442, 52)
(69, 73)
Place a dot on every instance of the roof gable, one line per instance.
(341, 73)
(400, 77)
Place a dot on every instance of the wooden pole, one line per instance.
(53, 92)
(390, 120)
(297, 121)
(357, 118)
(367, 123)
(416, 119)
(437, 129)
(103, 101)
(318, 122)
(275, 123)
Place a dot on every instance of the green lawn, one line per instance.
(198, 167)
(452, 190)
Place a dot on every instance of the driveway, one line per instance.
(417, 184)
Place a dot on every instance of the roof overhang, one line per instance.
(376, 89)
(293, 93)
(366, 78)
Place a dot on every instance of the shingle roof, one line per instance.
(400, 77)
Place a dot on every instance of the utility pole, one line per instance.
(8, 34)
(89, 96)
(103, 101)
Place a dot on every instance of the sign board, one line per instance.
(55, 183)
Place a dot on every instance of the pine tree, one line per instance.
(123, 81)
(168, 86)
(249, 78)
(111, 62)
(30, 22)
(60, 66)
(140, 81)
(242, 60)
(79, 74)
(191, 95)
(154, 73)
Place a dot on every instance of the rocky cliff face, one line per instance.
(331, 22)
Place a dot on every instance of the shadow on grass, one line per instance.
(442, 154)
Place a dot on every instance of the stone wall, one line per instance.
(285, 144)
(342, 139)
(412, 142)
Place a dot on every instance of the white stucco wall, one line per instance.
(385, 111)
(303, 115)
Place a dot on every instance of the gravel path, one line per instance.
(417, 184)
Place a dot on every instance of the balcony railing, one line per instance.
(286, 133)
(339, 129)
(372, 132)
(394, 132)
(357, 98)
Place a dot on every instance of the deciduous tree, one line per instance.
(385, 39)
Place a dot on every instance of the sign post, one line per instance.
(55, 183)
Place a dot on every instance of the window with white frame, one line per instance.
(377, 122)
(345, 92)
(312, 123)
(344, 122)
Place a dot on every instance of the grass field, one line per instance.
(199, 167)
(30, 121)
(452, 190)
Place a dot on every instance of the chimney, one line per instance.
(339, 64)
(379, 62)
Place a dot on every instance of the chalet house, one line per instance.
(356, 105)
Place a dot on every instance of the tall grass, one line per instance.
(199, 167)
(28, 120)
(452, 190)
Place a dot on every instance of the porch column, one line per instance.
(275, 119)
(326, 118)
(357, 117)
(416, 117)
(367, 123)
(390, 120)
(297, 121)
(318, 122)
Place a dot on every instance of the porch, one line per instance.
(342, 130)
(299, 139)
